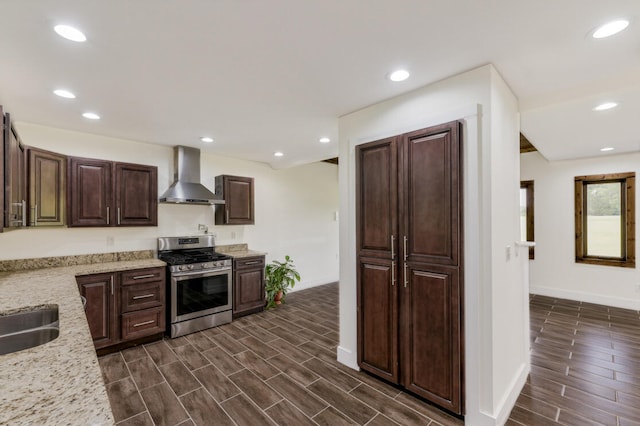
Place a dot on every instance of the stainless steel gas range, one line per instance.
(199, 288)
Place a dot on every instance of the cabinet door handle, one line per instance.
(111, 280)
(393, 273)
(35, 216)
(108, 215)
(141, 277)
(405, 275)
(393, 252)
(140, 324)
(405, 248)
(254, 262)
(226, 216)
(145, 296)
(118, 215)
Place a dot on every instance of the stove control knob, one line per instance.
(181, 268)
(190, 266)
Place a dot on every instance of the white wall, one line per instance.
(294, 208)
(491, 182)
(554, 271)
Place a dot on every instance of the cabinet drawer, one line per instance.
(142, 275)
(142, 296)
(142, 323)
(249, 262)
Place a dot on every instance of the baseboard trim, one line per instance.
(598, 299)
(348, 358)
(511, 397)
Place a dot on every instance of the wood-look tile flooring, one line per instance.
(275, 367)
(585, 366)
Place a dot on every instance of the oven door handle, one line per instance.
(192, 274)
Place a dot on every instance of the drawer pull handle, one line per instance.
(145, 296)
(141, 277)
(255, 262)
(140, 324)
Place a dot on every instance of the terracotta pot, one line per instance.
(278, 298)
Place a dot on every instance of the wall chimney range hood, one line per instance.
(186, 188)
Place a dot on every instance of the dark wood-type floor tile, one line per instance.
(342, 401)
(179, 378)
(204, 410)
(163, 405)
(216, 383)
(585, 371)
(142, 419)
(145, 373)
(113, 368)
(244, 413)
(284, 413)
(160, 353)
(124, 399)
(260, 392)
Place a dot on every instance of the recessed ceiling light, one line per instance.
(64, 93)
(399, 75)
(607, 149)
(91, 116)
(605, 106)
(70, 33)
(324, 140)
(278, 154)
(610, 28)
(206, 139)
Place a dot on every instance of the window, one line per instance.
(605, 219)
(526, 213)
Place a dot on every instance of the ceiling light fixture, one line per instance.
(399, 75)
(91, 116)
(64, 93)
(607, 149)
(610, 28)
(324, 140)
(206, 139)
(70, 33)
(278, 154)
(605, 106)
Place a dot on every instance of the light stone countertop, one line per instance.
(59, 382)
(239, 251)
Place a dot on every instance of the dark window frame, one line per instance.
(628, 235)
(528, 185)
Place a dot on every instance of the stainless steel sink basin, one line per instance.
(28, 328)
(27, 339)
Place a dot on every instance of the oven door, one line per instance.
(200, 293)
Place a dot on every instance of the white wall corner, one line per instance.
(348, 358)
(509, 400)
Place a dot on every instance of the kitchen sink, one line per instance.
(29, 328)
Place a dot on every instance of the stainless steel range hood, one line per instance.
(186, 188)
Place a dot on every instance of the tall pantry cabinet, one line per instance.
(410, 268)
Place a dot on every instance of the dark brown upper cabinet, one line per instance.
(238, 194)
(410, 269)
(15, 205)
(47, 187)
(104, 193)
(136, 195)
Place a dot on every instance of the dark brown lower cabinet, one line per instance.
(124, 306)
(410, 264)
(99, 290)
(248, 285)
(378, 301)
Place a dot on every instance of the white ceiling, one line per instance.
(266, 75)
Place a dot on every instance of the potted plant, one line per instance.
(279, 278)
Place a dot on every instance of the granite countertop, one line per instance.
(239, 251)
(59, 382)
